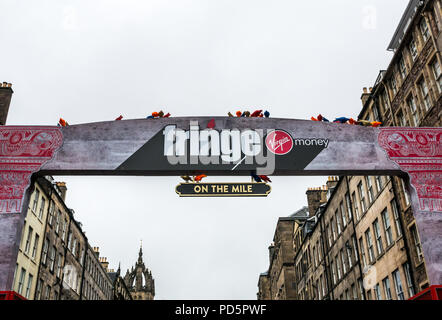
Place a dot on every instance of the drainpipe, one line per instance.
(324, 258)
(354, 234)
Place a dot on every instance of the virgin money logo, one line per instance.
(279, 142)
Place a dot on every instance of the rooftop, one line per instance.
(403, 25)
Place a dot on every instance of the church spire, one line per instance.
(140, 254)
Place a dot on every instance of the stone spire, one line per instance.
(139, 280)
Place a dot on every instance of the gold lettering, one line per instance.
(235, 188)
(197, 189)
(249, 189)
(205, 189)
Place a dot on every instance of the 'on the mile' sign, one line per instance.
(223, 189)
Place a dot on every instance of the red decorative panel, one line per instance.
(23, 150)
(11, 295)
(418, 151)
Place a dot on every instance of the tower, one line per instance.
(139, 280)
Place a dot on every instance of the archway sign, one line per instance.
(231, 146)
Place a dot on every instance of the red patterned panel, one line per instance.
(418, 151)
(23, 150)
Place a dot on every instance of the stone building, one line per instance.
(55, 260)
(139, 280)
(278, 282)
(362, 243)
(120, 291)
(30, 247)
(408, 93)
(97, 285)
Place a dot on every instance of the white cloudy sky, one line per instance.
(91, 61)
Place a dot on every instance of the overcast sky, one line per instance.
(90, 61)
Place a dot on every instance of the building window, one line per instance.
(361, 288)
(424, 29)
(385, 100)
(355, 248)
(338, 267)
(361, 197)
(338, 221)
(52, 258)
(413, 49)
(387, 289)
(414, 113)
(344, 219)
(42, 207)
(377, 292)
(59, 265)
(417, 243)
(51, 212)
(48, 292)
(344, 266)
(354, 291)
(82, 256)
(370, 189)
(406, 195)
(69, 240)
(369, 245)
(34, 248)
(348, 248)
(57, 221)
(74, 248)
(353, 196)
(21, 281)
(45, 251)
(39, 288)
(348, 203)
(393, 85)
(28, 286)
(435, 67)
(379, 184)
(401, 118)
(332, 224)
(36, 198)
(387, 227)
(397, 222)
(377, 233)
(425, 94)
(333, 272)
(402, 68)
(361, 245)
(398, 285)
(322, 285)
(410, 287)
(28, 240)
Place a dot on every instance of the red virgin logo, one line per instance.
(279, 142)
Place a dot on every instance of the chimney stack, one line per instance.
(62, 187)
(315, 197)
(365, 95)
(5, 99)
(97, 251)
(104, 263)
